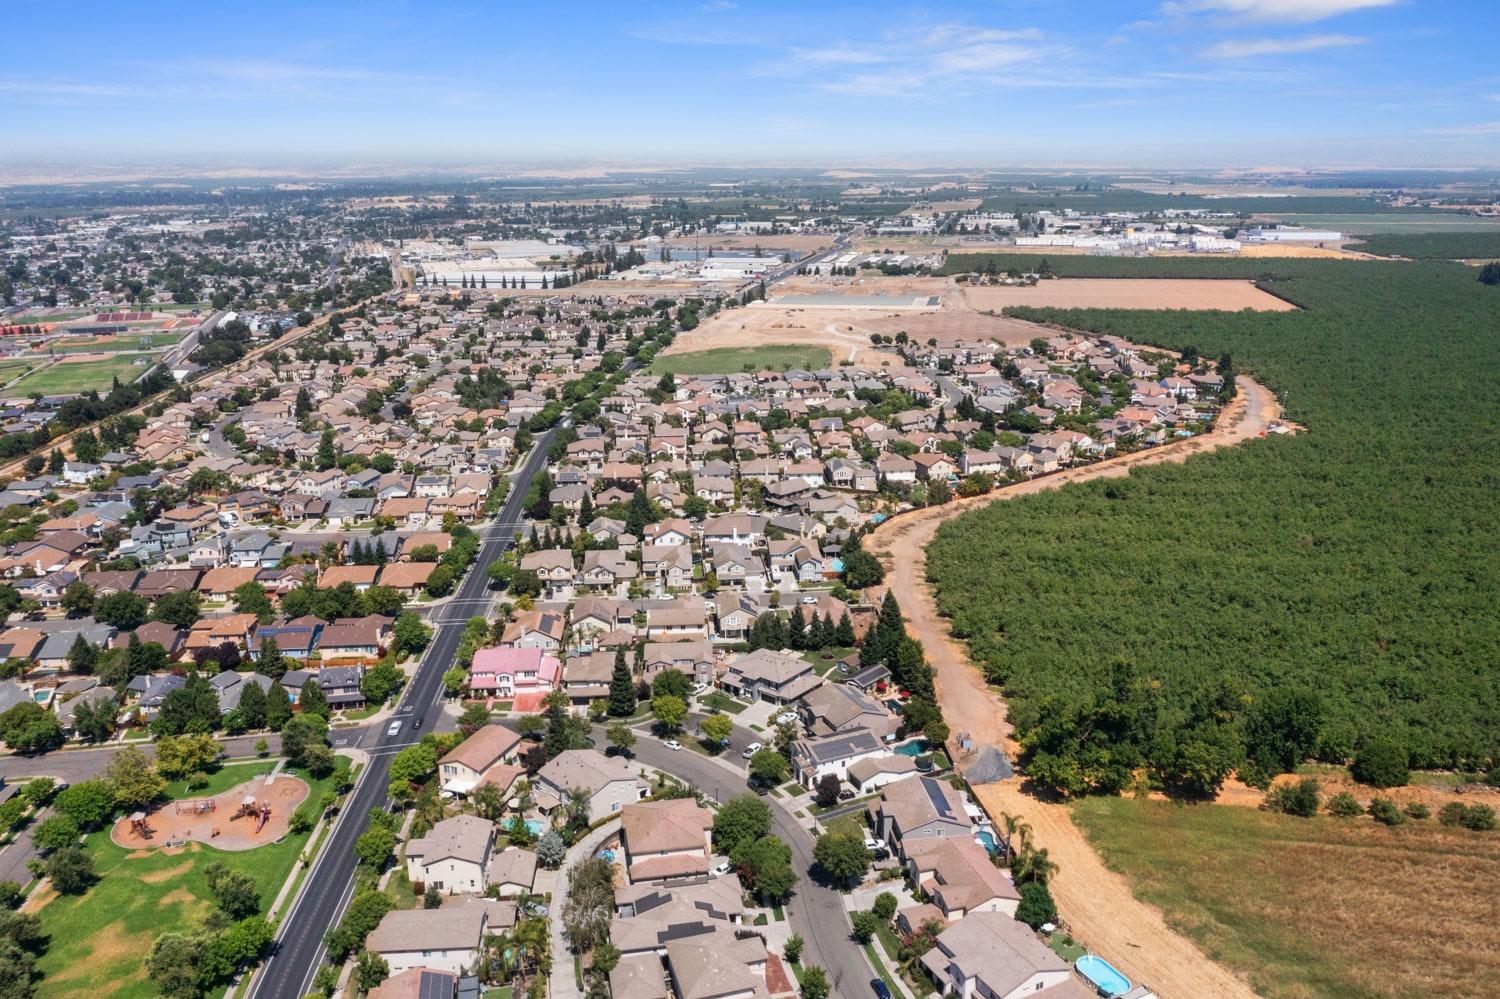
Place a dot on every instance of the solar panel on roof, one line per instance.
(939, 801)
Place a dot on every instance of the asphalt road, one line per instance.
(298, 951)
(816, 912)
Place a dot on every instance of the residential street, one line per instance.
(298, 950)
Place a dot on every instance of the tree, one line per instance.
(767, 863)
(133, 781)
(252, 706)
(180, 609)
(411, 634)
(473, 718)
(669, 711)
(716, 730)
(865, 925)
(1490, 273)
(278, 707)
(1300, 798)
(1381, 762)
(1281, 729)
(374, 846)
(370, 970)
(235, 893)
(174, 965)
(88, 803)
(123, 609)
(622, 737)
(414, 765)
(30, 728)
(768, 766)
(381, 682)
(327, 456)
(814, 983)
(797, 629)
(178, 756)
(313, 701)
(844, 635)
(828, 791)
(551, 850)
(1386, 812)
(590, 905)
(1344, 805)
(885, 906)
(78, 598)
(792, 949)
(252, 598)
(842, 856)
(1036, 906)
(193, 707)
(55, 833)
(741, 821)
(300, 733)
(81, 655)
(672, 683)
(455, 678)
(70, 870)
(622, 701)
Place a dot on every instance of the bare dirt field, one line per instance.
(177, 821)
(804, 242)
(766, 325)
(1097, 903)
(1128, 293)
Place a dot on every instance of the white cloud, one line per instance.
(1250, 48)
(713, 6)
(1279, 11)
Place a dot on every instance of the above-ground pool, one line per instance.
(1102, 975)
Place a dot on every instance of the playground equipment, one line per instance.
(260, 811)
(196, 806)
(264, 816)
(139, 826)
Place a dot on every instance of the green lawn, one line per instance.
(80, 376)
(1310, 908)
(826, 661)
(732, 360)
(722, 701)
(122, 342)
(15, 369)
(98, 941)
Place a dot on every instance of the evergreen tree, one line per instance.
(797, 629)
(845, 634)
(278, 707)
(313, 701)
(252, 706)
(621, 688)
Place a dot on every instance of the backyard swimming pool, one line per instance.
(916, 747)
(1102, 974)
(535, 827)
(986, 839)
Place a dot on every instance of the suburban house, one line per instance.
(820, 756)
(417, 983)
(512, 872)
(993, 956)
(839, 707)
(453, 856)
(534, 630)
(918, 808)
(447, 938)
(666, 840)
(958, 877)
(506, 672)
(609, 781)
(778, 677)
(696, 659)
(355, 639)
(647, 916)
(479, 758)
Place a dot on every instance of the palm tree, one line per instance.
(488, 801)
(1033, 865)
(576, 807)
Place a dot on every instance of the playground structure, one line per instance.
(251, 814)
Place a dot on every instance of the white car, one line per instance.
(871, 843)
(751, 750)
(672, 744)
(785, 717)
(723, 867)
(809, 600)
(699, 687)
(394, 727)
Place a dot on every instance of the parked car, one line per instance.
(847, 794)
(871, 843)
(722, 868)
(672, 744)
(751, 750)
(786, 716)
(881, 991)
(699, 687)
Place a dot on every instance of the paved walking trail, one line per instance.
(1097, 903)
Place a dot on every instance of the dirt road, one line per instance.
(1097, 903)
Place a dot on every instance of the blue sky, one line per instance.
(1030, 82)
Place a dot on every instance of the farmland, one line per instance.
(1159, 293)
(1476, 245)
(1390, 222)
(1130, 622)
(731, 360)
(70, 376)
(1322, 907)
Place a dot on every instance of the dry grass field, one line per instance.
(1312, 908)
(1127, 293)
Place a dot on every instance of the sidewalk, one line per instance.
(563, 984)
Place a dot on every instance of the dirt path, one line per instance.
(1097, 903)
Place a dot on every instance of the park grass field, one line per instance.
(79, 376)
(1321, 907)
(732, 360)
(98, 941)
(123, 342)
(15, 369)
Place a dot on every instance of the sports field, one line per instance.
(1319, 907)
(70, 376)
(731, 360)
(123, 342)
